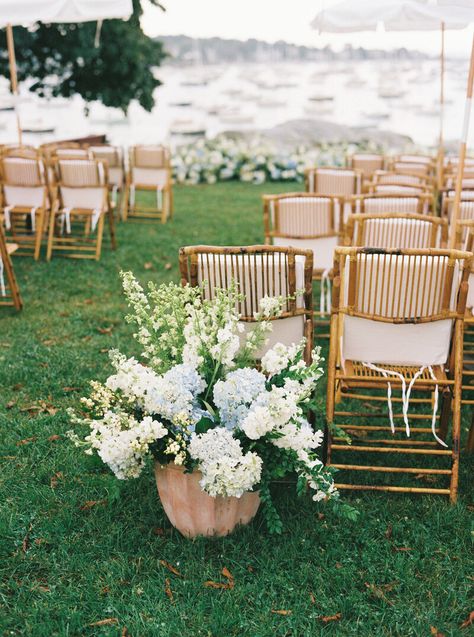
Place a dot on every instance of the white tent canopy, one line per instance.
(351, 16)
(26, 12)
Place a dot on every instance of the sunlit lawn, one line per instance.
(78, 547)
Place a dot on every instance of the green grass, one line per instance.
(64, 568)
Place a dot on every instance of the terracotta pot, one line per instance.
(193, 512)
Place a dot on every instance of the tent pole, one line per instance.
(462, 153)
(441, 112)
(13, 76)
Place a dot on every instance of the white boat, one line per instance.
(187, 128)
(37, 126)
(391, 93)
(321, 98)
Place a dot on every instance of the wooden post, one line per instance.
(441, 113)
(462, 152)
(13, 76)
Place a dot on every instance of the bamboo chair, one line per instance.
(21, 150)
(149, 170)
(308, 222)
(387, 203)
(9, 291)
(402, 190)
(367, 164)
(465, 239)
(64, 152)
(342, 183)
(397, 322)
(258, 271)
(113, 155)
(78, 213)
(25, 201)
(396, 230)
(414, 158)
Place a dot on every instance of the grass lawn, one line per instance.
(78, 547)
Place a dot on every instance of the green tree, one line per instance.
(62, 60)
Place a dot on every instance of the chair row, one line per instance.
(396, 326)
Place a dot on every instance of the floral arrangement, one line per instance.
(199, 401)
(255, 161)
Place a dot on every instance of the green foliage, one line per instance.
(63, 568)
(62, 60)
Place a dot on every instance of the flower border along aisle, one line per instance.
(200, 404)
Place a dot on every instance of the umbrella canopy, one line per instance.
(25, 12)
(393, 15)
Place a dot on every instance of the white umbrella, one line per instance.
(27, 12)
(399, 15)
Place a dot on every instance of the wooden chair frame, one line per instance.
(354, 229)
(117, 155)
(29, 243)
(309, 172)
(74, 246)
(150, 213)
(346, 383)
(281, 256)
(12, 297)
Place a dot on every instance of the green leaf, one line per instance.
(204, 425)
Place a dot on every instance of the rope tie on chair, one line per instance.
(3, 291)
(159, 197)
(406, 392)
(132, 195)
(325, 295)
(33, 218)
(95, 218)
(65, 219)
(8, 221)
(114, 193)
(311, 182)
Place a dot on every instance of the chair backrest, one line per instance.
(343, 182)
(397, 189)
(82, 183)
(149, 157)
(304, 221)
(111, 154)
(367, 163)
(22, 171)
(395, 230)
(389, 203)
(413, 158)
(22, 151)
(397, 306)
(414, 168)
(400, 178)
(71, 153)
(258, 271)
(24, 182)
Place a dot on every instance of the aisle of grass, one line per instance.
(78, 547)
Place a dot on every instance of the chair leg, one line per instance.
(100, 232)
(126, 202)
(52, 223)
(113, 240)
(458, 344)
(171, 202)
(470, 438)
(445, 413)
(39, 233)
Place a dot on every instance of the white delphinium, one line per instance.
(122, 441)
(226, 471)
(132, 379)
(257, 423)
(234, 395)
(269, 306)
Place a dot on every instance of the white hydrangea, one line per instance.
(226, 471)
(122, 442)
(234, 395)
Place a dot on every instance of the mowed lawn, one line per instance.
(84, 554)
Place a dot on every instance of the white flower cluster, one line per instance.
(234, 395)
(226, 471)
(255, 160)
(122, 442)
(276, 359)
